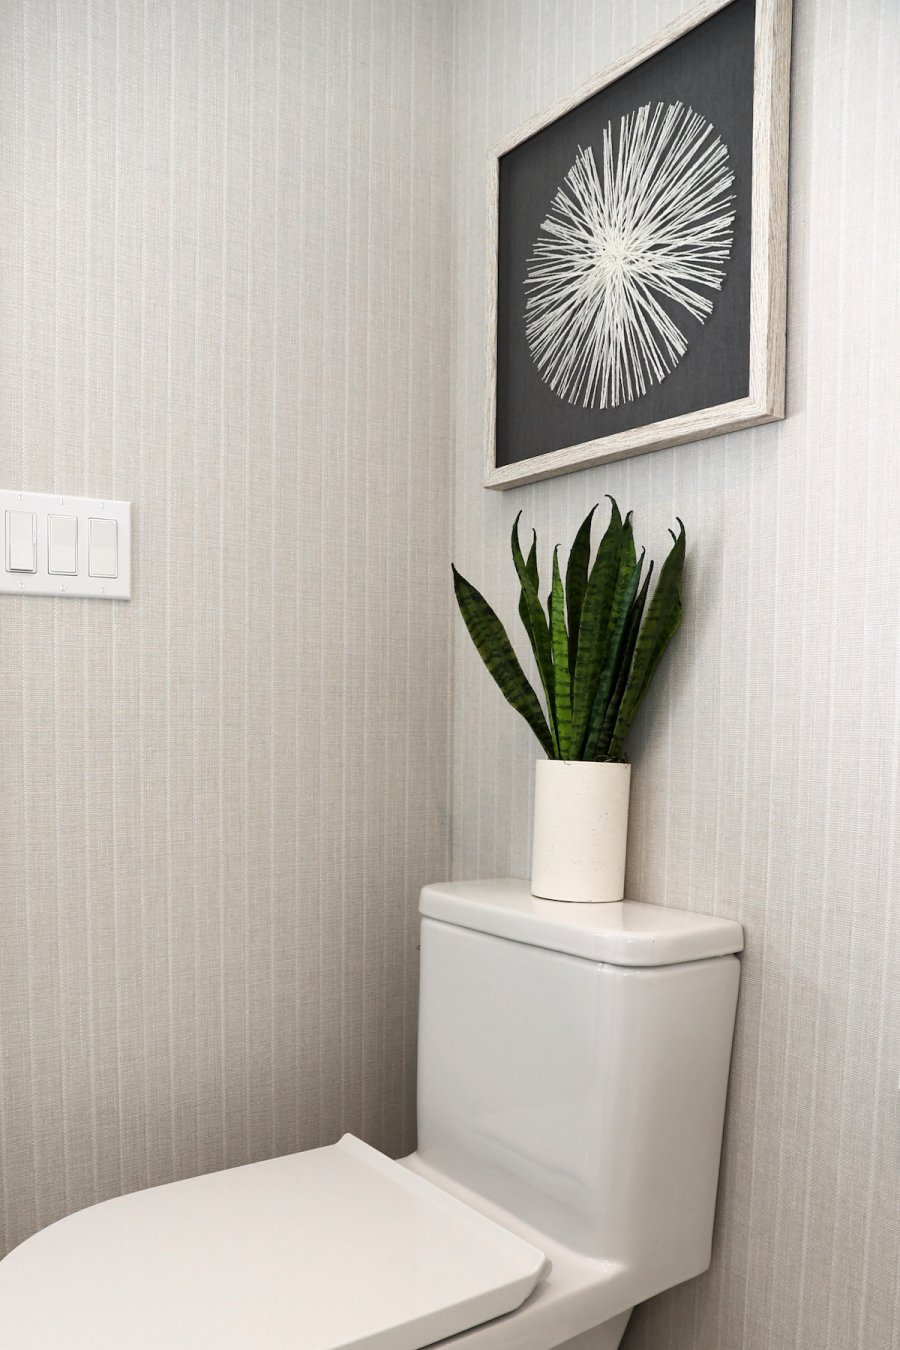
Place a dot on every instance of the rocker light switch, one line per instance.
(21, 541)
(73, 548)
(104, 548)
(62, 545)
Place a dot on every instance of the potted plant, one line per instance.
(597, 647)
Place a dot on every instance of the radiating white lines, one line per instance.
(651, 224)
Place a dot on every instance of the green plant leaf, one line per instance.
(576, 582)
(562, 677)
(629, 641)
(530, 568)
(626, 588)
(659, 627)
(495, 649)
(536, 625)
(594, 626)
(631, 703)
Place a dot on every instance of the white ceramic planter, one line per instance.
(580, 831)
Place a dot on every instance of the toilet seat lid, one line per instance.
(329, 1249)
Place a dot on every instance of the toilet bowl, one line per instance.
(572, 1077)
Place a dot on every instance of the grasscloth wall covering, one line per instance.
(218, 222)
(766, 777)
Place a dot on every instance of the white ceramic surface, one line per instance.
(607, 1337)
(626, 934)
(579, 1292)
(580, 831)
(336, 1247)
(585, 1098)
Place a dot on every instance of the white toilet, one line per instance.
(573, 1062)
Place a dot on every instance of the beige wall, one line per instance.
(766, 774)
(218, 225)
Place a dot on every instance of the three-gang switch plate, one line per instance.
(65, 546)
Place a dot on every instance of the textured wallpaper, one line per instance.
(218, 223)
(766, 780)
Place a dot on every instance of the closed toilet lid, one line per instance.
(333, 1248)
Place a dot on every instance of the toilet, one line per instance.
(573, 1064)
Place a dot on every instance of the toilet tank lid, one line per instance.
(629, 933)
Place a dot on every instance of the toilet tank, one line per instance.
(573, 1065)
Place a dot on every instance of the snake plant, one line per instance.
(595, 647)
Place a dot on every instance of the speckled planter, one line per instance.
(580, 831)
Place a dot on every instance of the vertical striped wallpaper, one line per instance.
(767, 771)
(219, 222)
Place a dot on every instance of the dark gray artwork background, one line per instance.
(711, 70)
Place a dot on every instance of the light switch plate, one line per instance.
(80, 583)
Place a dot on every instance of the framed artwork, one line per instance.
(637, 239)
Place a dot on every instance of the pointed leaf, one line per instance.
(536, 625)
(629, 641)
(594, 624)
(562, 677)
(659, 627)
(576, 582)
(632, 698)
(516, 546)
(521, 565)
(531, 569)
(493, 646)
(626, 589)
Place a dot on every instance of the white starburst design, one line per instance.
(655, 226)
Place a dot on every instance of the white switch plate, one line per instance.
(80, 583)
